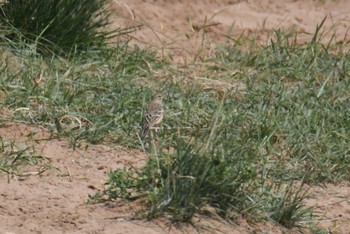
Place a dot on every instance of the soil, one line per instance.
(55, 200)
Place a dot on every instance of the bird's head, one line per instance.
(158, 97)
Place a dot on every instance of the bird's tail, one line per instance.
(144, 131)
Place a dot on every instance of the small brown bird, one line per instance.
(154, 114)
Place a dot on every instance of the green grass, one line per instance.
(64, 27)
(17, 159)
(243, 152)
(99, 93)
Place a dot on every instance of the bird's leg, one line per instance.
(155, 153)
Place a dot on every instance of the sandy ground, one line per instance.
(184, 28)
(55, 201)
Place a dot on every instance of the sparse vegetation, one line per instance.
(16, 159)
(236, 152)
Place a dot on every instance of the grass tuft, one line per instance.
(64, 27)
(19, 160)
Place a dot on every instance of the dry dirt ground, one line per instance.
(55, 201)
